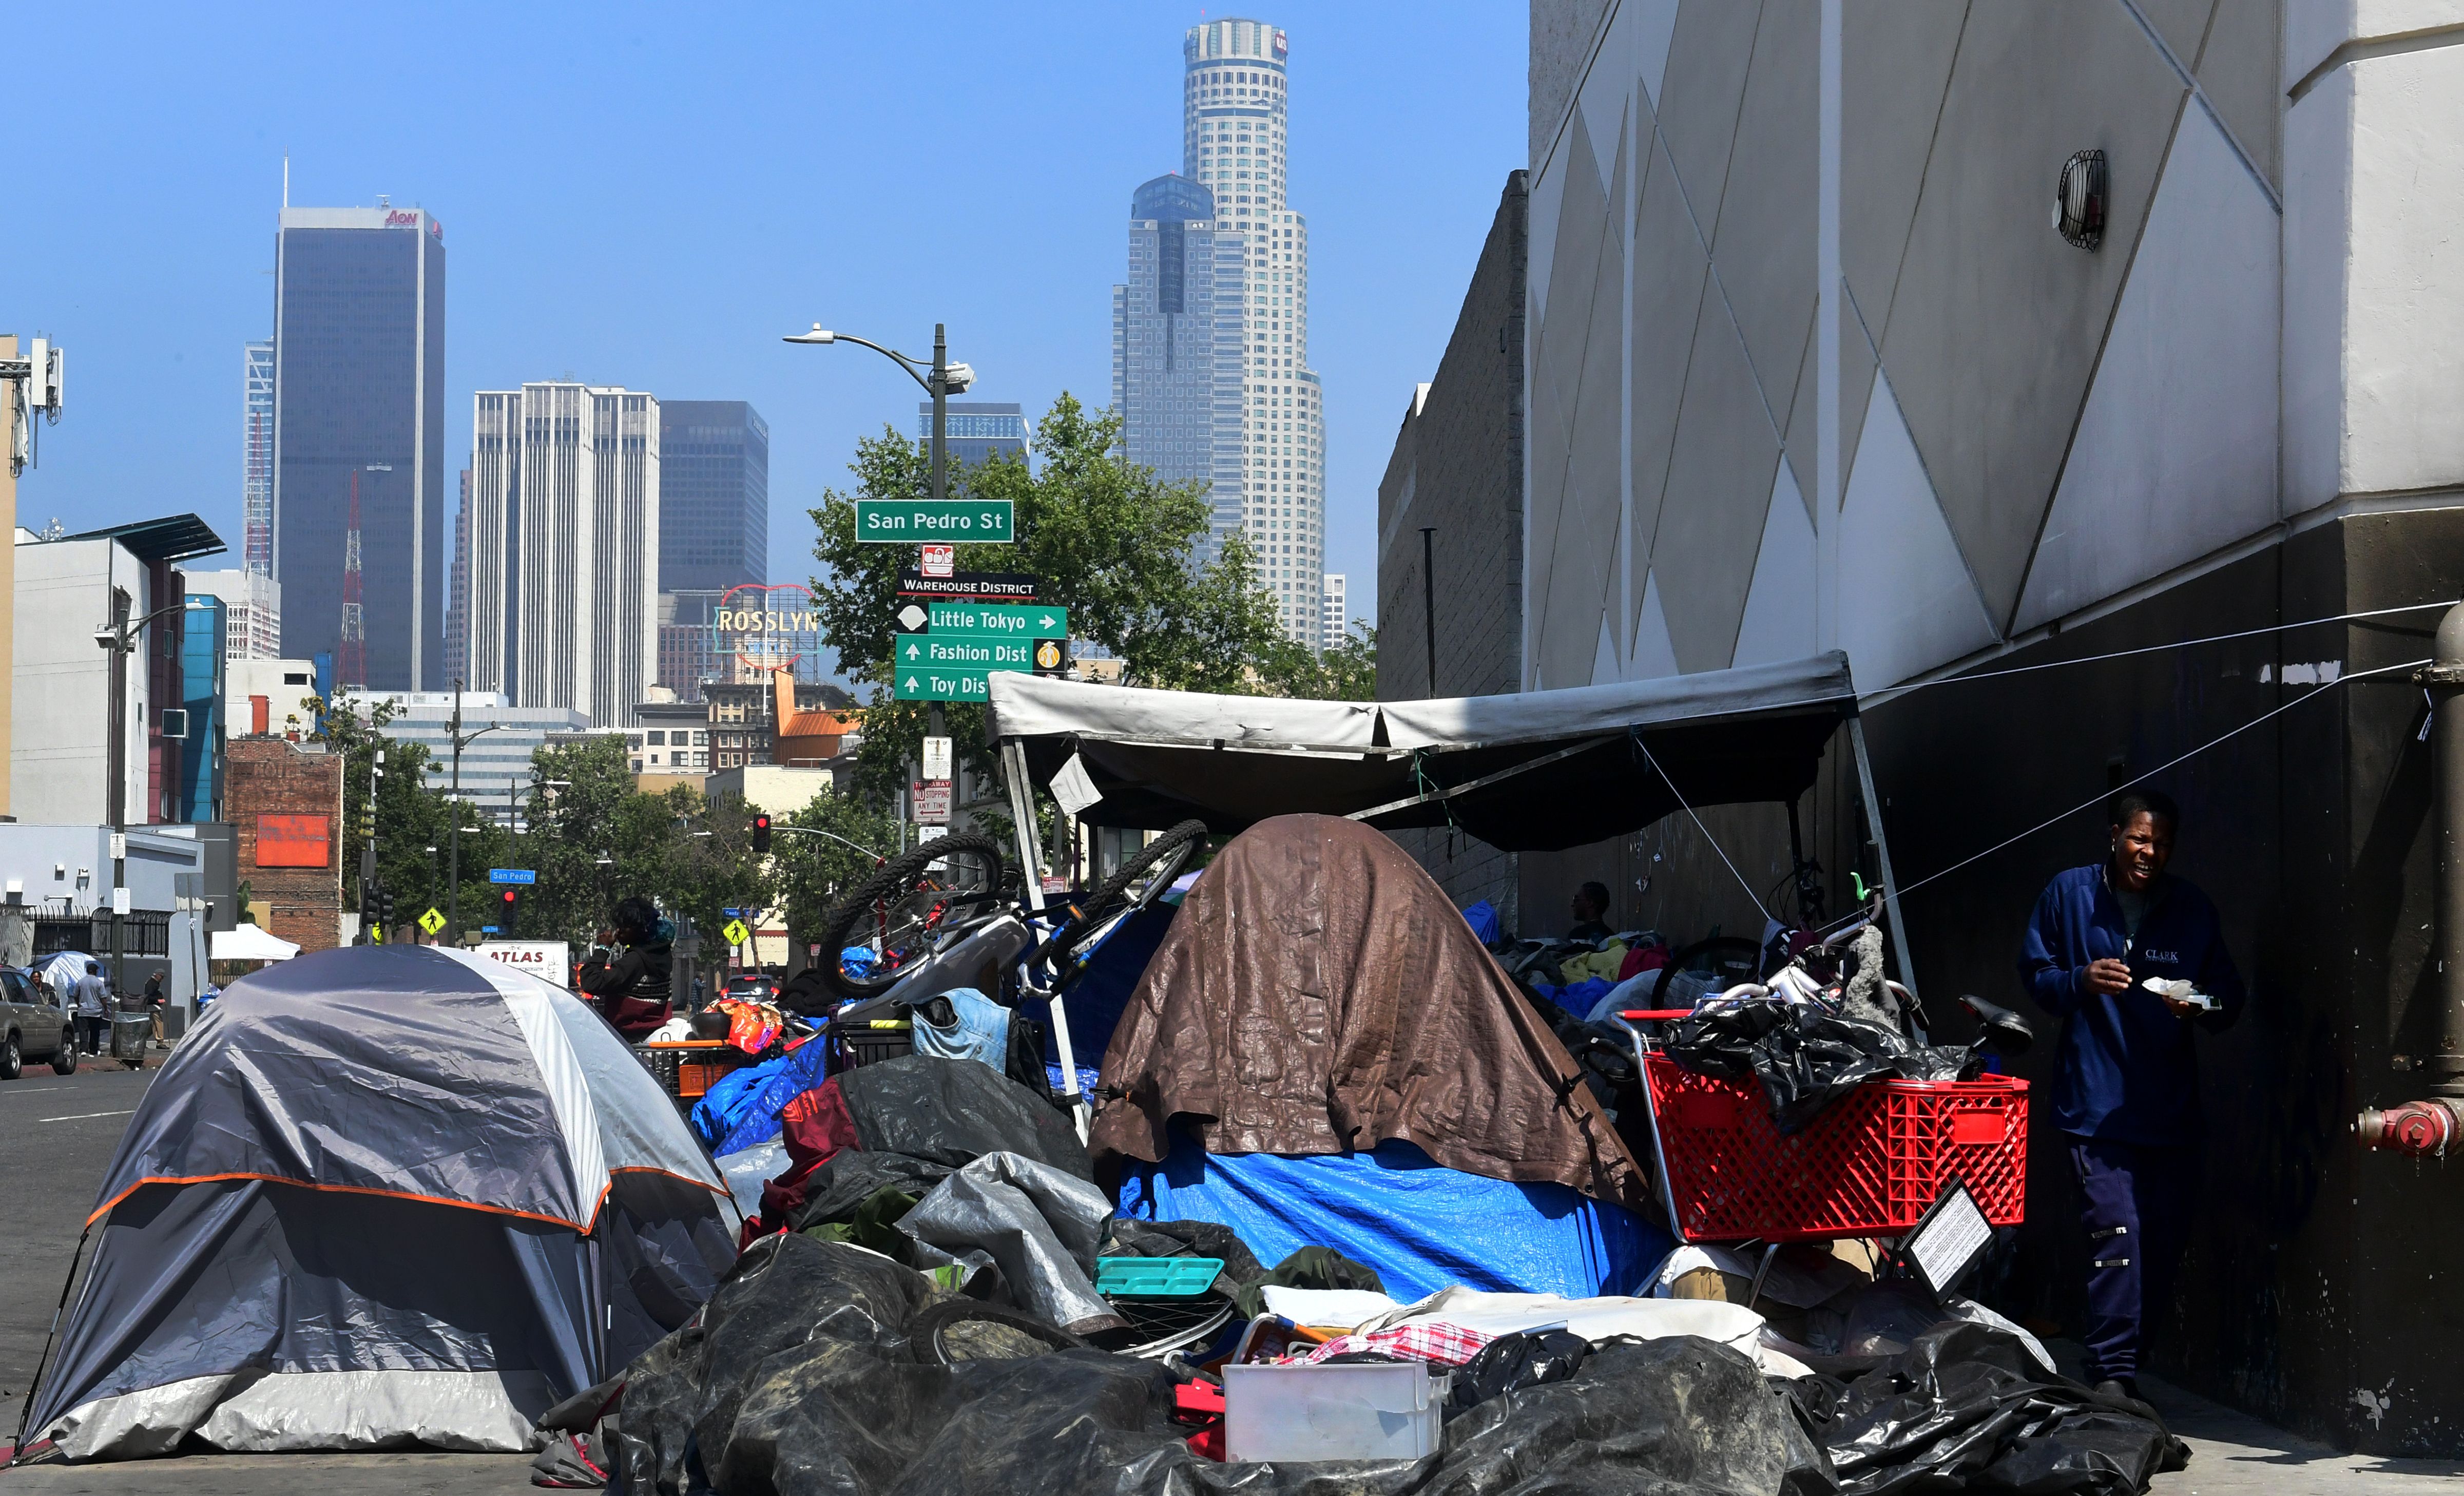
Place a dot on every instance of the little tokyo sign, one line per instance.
(907, 521)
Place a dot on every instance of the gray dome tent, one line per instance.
(382, 1197)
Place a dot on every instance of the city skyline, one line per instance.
(767, 242)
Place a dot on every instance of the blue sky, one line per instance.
(652, 196)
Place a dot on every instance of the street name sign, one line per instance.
(907, 521)
(523, 875)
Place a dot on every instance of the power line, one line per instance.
(1704, 829)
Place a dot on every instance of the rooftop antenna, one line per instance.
(286, 179)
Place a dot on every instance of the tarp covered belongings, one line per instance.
(1318, 994)
(817, 1367)
(382, 1196)
(1395, 1208)
(1805, 1056)
(906, 1123)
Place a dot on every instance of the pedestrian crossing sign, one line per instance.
(432, 921)
(735, 931)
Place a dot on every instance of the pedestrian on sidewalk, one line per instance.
(2127, 1094)
(93, 1007)
(156, 1001)
(631, 985)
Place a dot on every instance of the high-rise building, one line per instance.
(256, 461)
(1333, 624)
(1233, 98)
(457, 591)
(251, 611)
(976, 429)
(564, 547)
(1175, 345)
(358, 392)
(714, 495)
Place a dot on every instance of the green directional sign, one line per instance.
(966, 651)
(908, 522)
(939, 682)
(988, 620)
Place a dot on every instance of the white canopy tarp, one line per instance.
(251, 943)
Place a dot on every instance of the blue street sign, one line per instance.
(487, 929)
(730, 912)
(511, 875)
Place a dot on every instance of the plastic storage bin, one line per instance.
(1368, 1411)
(1869, 1165)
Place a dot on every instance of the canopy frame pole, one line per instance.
(1485, 780)
(1021, 811)
(1873, 807)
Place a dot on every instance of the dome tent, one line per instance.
(382, 1196)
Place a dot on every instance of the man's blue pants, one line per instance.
(2135, 1206)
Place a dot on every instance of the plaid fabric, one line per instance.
(1432, 1340)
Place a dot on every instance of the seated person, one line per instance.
(1590, 905)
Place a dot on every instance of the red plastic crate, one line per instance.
(1869, 1165)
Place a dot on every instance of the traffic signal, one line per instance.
(509, 911)
(760, 833)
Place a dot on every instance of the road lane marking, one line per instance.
(83, 1115)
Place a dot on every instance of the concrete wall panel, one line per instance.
(1606, 97)
(1894, 70)
(2175, 454)
(1655, 27)
(1707, 57)
(2182, 23)
(1764, 241)
(1905, 600)
(1719, 485)
(2238, 72)
(1566, 330)
(1584, 565)
(1561, 42)
(2314, 29)
(1547, 191)
(1670, 273)
(1652, 656)
(1995, 325)
(1778, 623)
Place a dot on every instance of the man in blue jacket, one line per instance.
(2128, 1093)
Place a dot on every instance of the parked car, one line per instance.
(752, 987)
(34, 1027)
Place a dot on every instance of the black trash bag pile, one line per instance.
(1510, 1363)
(1805, 1056)
(1966, 1407)
(818, 1366)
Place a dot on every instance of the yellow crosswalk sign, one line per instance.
(432, 921)
(736, 933)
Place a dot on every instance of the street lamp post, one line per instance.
(941, 379)
(453, 798)
(120, 637)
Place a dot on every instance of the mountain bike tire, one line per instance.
(851, 921)
(1113, 896)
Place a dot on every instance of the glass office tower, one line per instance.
(714, 495)
(358, 389)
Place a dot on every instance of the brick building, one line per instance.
(285, 804)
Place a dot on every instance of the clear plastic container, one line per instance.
(1368, 1411)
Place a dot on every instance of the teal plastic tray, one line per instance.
(1156, 1277)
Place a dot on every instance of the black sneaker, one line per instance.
(2119, 1387)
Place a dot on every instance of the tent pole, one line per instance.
(42, 1362)
(1882, 863)
(1022, 810)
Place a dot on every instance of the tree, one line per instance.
(1346, 673)
(815, 872)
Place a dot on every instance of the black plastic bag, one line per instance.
(1310, 1267)
(1967, 1406)
(1806, 1057)
(1510, 1363)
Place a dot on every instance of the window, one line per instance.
(658, 740)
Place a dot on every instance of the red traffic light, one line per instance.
(761, 834)
(512, 898)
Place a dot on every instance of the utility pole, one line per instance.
(118, 756)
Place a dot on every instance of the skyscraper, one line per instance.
(976, 428)
(714, 495)
(565, 548)
(458, 592)
(257, 462)
(1336, 626)
(1234, 96)
(1175, 344)
(358, 389)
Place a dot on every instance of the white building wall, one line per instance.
(251, 611)
(60, 765)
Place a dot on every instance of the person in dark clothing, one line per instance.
(156, 1001)
(632, 989)
(2128, 1092)
(1591, 904)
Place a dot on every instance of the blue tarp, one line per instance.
(1097, 999)
(1578, 999)
(1422, 1226)
(1484, 921)
(742, 1109)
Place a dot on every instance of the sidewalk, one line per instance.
(2232, 1453)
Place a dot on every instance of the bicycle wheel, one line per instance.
(903, 910)
(1141, 879)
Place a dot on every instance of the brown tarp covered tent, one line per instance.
(1318, 994)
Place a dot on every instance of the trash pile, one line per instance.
(1363, 1225)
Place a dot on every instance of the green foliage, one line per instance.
(1346, 673)
(815, 872)
(594, 838)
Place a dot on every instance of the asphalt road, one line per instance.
(57, 1138)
